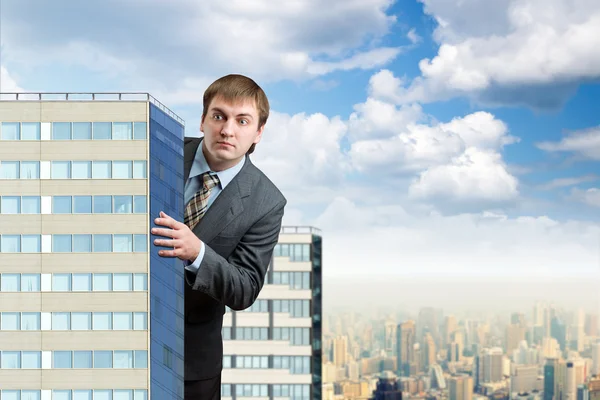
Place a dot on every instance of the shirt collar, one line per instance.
(200, 166)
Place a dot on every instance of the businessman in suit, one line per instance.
(232, 221)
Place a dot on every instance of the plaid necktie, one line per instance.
(196, 207)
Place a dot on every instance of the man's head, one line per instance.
(234, 115)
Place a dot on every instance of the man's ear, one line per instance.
(259, 135)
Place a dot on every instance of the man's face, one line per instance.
(229, 131)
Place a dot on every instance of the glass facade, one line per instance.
(317, 314)
(166, 274)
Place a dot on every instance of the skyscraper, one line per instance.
(87, 307)
(460, 387)
(273, 349)
(406, 333)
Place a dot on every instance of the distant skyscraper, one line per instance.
(515, 334)
(340, 351)
(428, 352)
(490, 366)
(460, 387)
(406, 335)
(559, 332)
(550, 372)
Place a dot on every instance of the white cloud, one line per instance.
(564, 182)
(590, 196)
(7, 83)
(523, 52)
(168, 47)
(584, 143)
(302, 152)
(476, 175)
(414, 37)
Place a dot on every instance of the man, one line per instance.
(232, 221)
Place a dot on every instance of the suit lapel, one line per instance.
(228, 204)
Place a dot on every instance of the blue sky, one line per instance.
(433, 137)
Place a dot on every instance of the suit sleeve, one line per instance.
(237, 281)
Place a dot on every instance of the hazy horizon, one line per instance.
(458, 294)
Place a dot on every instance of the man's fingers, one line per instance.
(167, 242)
(167, 221)
(169, 253)
(164, 232)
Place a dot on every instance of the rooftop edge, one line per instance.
(89, 96)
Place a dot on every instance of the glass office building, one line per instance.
(86, 311)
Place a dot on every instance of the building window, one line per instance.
(30, 170)
(10, 359)
(62, 359)
(9, 170)
(123, 204)
(122, 170)
(82, 170)
(139, 204)
(102, 131)
(61, 321)
(139, 130)
(103, 205)
(61, 131)
(103, 359)
(82, 359)
(82, 130)
(30, 131)
(82, 282)
(82, 243)
(10, 282)
(31, 243)
(101, 170)
(122, 243)
(30, 283)
(61, 205)
(82, 204)
(10, 244)
(61, 170)
(30, 205)
(122, 282)
(10, 205)
(122, 131)
(10, 321)
(102, 282)
(140, 282)
(81, 321)
(102, 321)
(61, 243)
(103, 243)
(139, 170)
(61, 282)
(10, 131)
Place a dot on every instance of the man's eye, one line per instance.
(244, 121)
(216, 116)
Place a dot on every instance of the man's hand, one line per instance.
(185, 244)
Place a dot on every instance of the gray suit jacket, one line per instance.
(240, 231)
